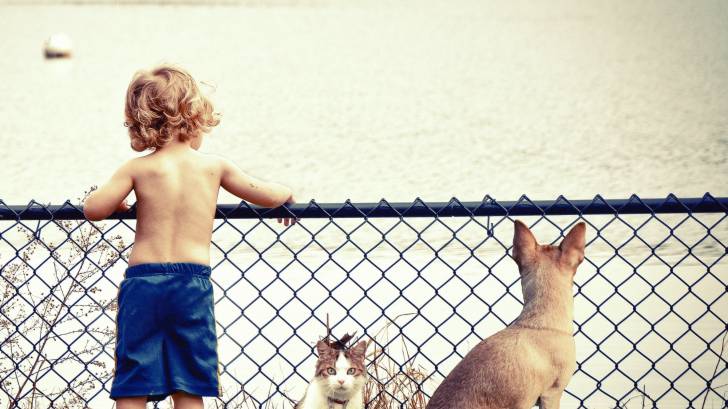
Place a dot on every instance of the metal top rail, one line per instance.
(418, 208)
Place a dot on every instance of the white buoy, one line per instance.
(58, 45)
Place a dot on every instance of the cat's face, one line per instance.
(341, 372)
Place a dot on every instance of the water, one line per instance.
(368, 100)
(365, 100)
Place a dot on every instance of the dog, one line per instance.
(531, 360)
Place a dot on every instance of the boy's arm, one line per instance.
(104, 201)
(246, 187)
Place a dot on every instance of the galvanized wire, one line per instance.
(425, 281)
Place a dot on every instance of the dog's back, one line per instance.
(534, 357)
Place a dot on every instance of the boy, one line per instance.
(166, 341)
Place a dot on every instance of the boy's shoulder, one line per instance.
(151, 163)
(218, 160)
(210, 156)
(151, 159)
(134, 164)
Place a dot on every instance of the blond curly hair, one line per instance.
(163, 104)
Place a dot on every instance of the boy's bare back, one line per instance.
(176, 199)
(176, 186)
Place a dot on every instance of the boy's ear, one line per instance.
(572, 247)
(524, 243)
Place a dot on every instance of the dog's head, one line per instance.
(536, 259)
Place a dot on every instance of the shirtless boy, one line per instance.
(166, 342)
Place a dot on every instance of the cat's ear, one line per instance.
(524, 243)
(359, 350)
(572, 247)
(322, 347)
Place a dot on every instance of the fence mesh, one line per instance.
(424, 282)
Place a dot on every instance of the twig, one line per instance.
(715, 370)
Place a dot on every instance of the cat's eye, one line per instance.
(351, 371)
(331, 371)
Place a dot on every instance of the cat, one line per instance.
(340, 376)
(532, 359)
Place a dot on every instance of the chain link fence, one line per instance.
(423, 281)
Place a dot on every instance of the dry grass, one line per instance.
(390, 384)
(38, 321)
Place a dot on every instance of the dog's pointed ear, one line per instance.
(524, 242)
(572, 247)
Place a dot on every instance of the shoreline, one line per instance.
(247, 3)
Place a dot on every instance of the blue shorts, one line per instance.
(165, 332)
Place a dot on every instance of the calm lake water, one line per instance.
(368, 100)
(365, 100)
